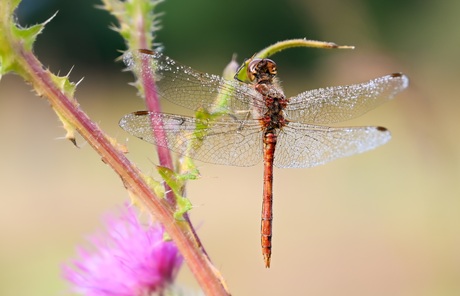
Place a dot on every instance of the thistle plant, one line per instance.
(154, 256)
(129, 258)
(16, 55)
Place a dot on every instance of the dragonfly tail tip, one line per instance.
(267, 261)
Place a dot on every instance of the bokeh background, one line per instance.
(383, 223)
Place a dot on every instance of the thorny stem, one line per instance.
(208, 277)
(164, 156)
(153, 105)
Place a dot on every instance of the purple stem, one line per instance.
(153, 105)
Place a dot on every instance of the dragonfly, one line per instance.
(257, 121)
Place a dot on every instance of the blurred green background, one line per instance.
(383, 223)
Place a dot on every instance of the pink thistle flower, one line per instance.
(129, 260)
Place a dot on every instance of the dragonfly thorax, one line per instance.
(275, 103)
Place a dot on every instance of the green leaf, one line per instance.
(170, 177)
(64, 84)
(156, 186)
(183, 206)
(176, 183)
(188, 170)
(14, 39)
(16, 45)
(28, 35)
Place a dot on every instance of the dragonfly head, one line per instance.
(261, 70)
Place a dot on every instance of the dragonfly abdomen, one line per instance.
(267, 203)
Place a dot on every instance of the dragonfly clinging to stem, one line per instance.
(257, 121)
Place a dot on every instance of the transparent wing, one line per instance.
(340, 103)
(225, 142)
(302, 145)
(186, 87)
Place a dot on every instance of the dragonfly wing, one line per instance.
(225, 141)
(301, 145)
(186, 87)
(340, 103)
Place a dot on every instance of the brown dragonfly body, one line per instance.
(262, 72)
(257, 121)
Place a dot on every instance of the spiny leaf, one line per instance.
(29, 34)
(68, 88)
(170, 177)
(64, 84)
(183, 206)
(12, 37)
(16, 45)
(157, 187)
(69, 128)
(176, 184)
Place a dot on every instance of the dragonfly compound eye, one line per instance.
(271, 67)
(261, 69)
(254, 69)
